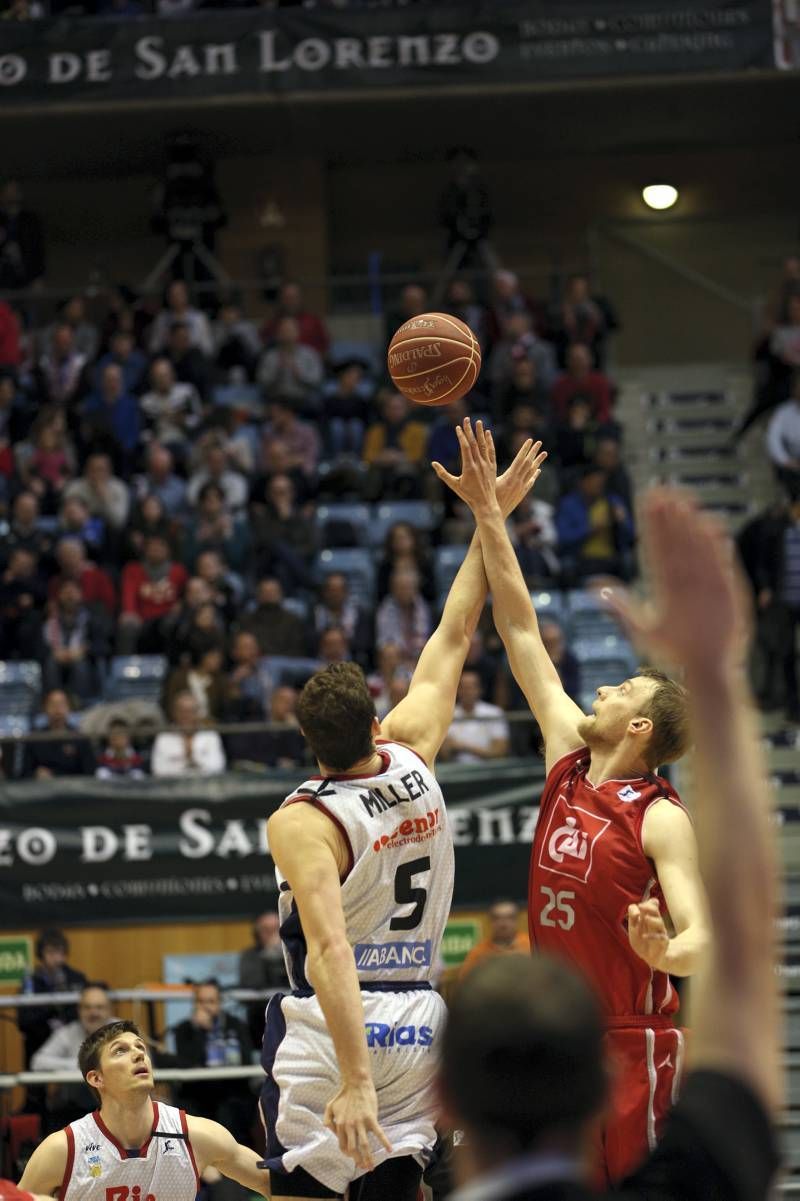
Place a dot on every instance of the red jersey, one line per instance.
(587, 867)
(148, 598)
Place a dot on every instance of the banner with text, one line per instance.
(472, 44)
(86, 851)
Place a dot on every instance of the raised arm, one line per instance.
(697, 621)
(311, 854)
(514, 615)
(423, 717)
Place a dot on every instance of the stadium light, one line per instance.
(659, 195)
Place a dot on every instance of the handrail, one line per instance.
(166, 993)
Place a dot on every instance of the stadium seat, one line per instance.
(354, 562)
(604, 647)
(446, 562)
(294, 604)
(240, 396)
(586, 617)
(345, 524)
(598, 672)
(344, 349)
(12, 726)
(419, 513)
(285, 670)
(20, 688)
(549, 604)
(136, 677)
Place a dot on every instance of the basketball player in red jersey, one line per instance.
(614, 846)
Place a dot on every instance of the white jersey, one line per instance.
(99, 1168)
(398, 888)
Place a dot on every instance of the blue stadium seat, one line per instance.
(136, 677)
(419, 513)
(244, 396)
(446, 562)
(294, 604)
(14, 727)
(356, 563)
(549, 604)
(285, 670)
(605, 648)
(598, 672)
(586, 616)
(333, 521)
(20, 688)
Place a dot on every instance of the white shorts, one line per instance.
(403, 1030)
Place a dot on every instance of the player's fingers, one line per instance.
(632, 616)
(348, 1140)
(470, 434)
(328, 1119)
(633, 915)
(445, 476)
(467, 457)
(380, 1135)
(490, 448)
(365, 1159)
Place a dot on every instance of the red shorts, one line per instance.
(645, 1063)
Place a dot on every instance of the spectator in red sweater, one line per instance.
(312, 328)
(580, 379)
(10, 353)
(96, 587)
(151, 589)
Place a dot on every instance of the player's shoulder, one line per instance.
(54, 1150)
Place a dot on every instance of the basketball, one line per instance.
(434, 359)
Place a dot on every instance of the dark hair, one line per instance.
(118, 723)
(418, 548)
(208, 487)
(336, 712)
(211, 982)
(91, 1049)
(668, 709)
(51, 937)
(101, 984)
(522, 1052)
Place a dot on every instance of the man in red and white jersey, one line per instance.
(133, 1148)
(614, 847)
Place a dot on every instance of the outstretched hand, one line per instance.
(698, 616)
(478, 485)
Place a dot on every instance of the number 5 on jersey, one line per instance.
(557, 910)
(406, 894)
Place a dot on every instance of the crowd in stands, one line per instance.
(172, 483)
(27, 10)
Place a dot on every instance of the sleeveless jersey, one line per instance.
(587, 867)
(99, 1168)
(398, 887)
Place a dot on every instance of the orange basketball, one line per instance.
(434, 359)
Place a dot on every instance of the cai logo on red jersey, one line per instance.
(569, 840)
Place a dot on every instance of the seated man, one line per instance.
(212, 1038)
(67, 1102)
(504, 937)
(479, 730)
(68, 754)
(595, 529)
(187, 750)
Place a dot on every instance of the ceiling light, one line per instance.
(659, 195)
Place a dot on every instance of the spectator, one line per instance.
(389, 668)
(413, 301)
(22, 259)
(562, 658)
(533, 535)
(783, 441)
(214, 528)
(311, 328)
(299, 441)
(483, 662)
(68, 1102)
(46, 461)
(52, 974)
(460, 302)
(404, 549)
(519, 341)
(112, 416)
(284, 540)
(187, 750)
(10, 333)
(575, 439)
(148, 519)
(150, 589)
(66, 753)
(290, 369)
(582, 379)
(22, 595)
(75, 521)
(785, 341)
(85, 337)
(172, 410)
(778, 583)
(277, 631)
(479, 730)
(60, 375)
(403, 617)
(393, 448)
(160, 480)
(96, 586)
(204, 680)
(119, 760)
(346, 407)
(336, 607)
(104, 494)
(177, 308)
(465, 213)
(249, 684)
(582, 318)
(189, 363)
(124, 353)
(236, 342)
(504, 938)
(222, 583)
(595, 529)
(217, 470)
(524, 387)
(24, 532)
(333, 646)
(285, 747)
(193, 625)
(14, 408)
(608, 456)
(212, 1038)
(76, 641)
(261, 967)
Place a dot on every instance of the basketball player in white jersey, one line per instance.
(133, 1148)
(364, 861)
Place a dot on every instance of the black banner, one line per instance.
(296, 51)
(88, 851)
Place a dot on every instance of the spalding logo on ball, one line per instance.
(434, 359)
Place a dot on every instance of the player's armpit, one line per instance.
(44, 1171)
(668, 839)
(214, 1145)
